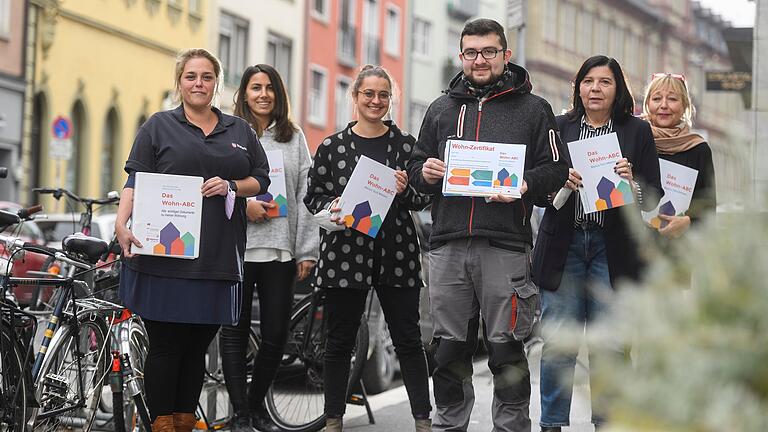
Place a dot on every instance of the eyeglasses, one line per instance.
(487, 53)
(370, 94)
(681, 77)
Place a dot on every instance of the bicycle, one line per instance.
(295, 401)
(128, 333)
(69, 369)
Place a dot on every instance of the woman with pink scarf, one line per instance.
(669, 109)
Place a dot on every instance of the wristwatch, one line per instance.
(232, 185)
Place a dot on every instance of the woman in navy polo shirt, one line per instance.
(183, 302)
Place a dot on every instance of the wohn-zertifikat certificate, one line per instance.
(476, 168)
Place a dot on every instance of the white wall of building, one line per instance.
(269, 22)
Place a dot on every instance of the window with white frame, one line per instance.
(370, 32)
(343, 104)
(422, 33)
(279, 50)
(602, 36)
(616, 43)
(318, 95)
(585, 33)
(5, 18)
(233, 46)
(567, 26)
(320, 9)
(453, 39)
(418, 111)
(195, 7)
(392, 38)
(549, 21)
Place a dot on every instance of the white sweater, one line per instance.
(296, 235)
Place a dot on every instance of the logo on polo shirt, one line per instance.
(236, 145)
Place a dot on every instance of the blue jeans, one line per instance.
(582, 297)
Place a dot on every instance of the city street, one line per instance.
(392, 413)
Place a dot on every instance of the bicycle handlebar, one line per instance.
(26, 213)
(58, 192)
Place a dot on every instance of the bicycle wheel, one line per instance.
(14, 383)
(133, 340)
(60, 383)
(295, 402)
(214, 408)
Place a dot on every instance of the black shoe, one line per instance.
(551, 429)
(240, 423)
(263, 423)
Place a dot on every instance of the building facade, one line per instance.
(12, 86)
(646, 37)
(104, 70)
(433, 43)
(243, 33)
(343, 35)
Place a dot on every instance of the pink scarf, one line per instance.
(675, 140)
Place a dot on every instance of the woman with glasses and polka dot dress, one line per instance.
(351, 263)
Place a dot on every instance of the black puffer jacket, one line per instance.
(509, 115)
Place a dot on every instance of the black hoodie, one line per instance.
(510, 114)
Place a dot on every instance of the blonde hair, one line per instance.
(181, 61)
(676, 85)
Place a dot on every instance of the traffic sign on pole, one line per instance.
(60, 146)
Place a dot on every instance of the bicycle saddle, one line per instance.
(90, 248)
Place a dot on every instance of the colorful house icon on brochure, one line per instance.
(362, 220)
(504, 179)
(611, 195)
(172, 243)
(280, 202)
(667, 209)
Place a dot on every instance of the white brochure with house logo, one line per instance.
(678, 182)
(367, 196)
(276, 194)
(476, 168)
(167, 212)
(594, 158)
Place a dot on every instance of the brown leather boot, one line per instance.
(163, 424)
(183, 422)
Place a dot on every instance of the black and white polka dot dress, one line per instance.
(348, 258)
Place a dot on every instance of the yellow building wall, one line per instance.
(109, 53)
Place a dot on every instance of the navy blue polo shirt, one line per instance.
(168, 144)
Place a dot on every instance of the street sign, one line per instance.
(728, 81)
(60, 146)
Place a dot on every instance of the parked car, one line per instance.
(28, 231)
(59, 225)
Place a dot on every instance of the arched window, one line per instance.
(39, 134)
(109, 152)
(75, 180)
(142, 120)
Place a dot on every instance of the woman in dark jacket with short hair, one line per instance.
(579, 258)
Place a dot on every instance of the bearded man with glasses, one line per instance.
(479, 257)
